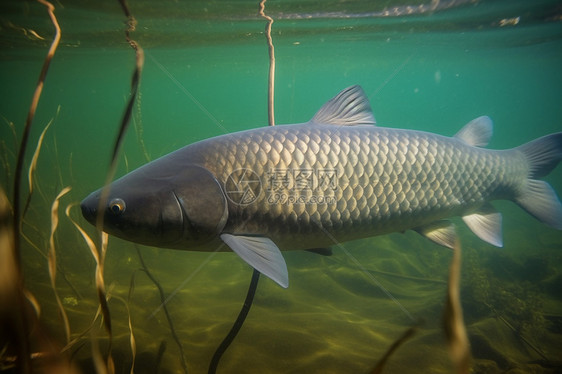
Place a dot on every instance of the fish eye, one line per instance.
(116, 206)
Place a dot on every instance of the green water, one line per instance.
(206, 74)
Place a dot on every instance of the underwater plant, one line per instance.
(139, 334)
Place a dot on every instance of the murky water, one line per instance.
(205, 75)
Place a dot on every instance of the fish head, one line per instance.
(159, 205)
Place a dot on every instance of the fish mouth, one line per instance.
(89, 214)
(89, 207)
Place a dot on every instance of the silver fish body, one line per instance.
(330, 180)
(350, 182)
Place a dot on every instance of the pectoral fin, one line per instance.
(260, 253)
(486, 223)
(440, 232)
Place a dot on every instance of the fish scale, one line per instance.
(385, 177)
(333, 179)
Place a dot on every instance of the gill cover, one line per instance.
(203, 203)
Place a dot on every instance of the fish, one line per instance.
(335, 178)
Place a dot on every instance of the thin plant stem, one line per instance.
(21, 324)
(271, 80)
(165, 308)
(237, 324)
(407, 335)
(27, 129)
(139, 53)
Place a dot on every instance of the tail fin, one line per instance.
(538, 198)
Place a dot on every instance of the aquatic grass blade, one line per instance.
(89, 242)
(453, 324)
(139, 63)
(103, 300)
(33, 166)
(21, 324)
(132, 340)
(52, 259)
(27, 127)
(12, 305)
(99, 256)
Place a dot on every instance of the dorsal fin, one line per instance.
(350, 107)
(477, 132)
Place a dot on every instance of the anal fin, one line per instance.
(440, 232)
(486, 223)
(261, 254)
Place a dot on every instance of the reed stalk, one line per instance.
(271, 79)
(453, 324)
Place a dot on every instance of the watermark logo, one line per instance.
(243, 186)
(283, 186)
(302, 186)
